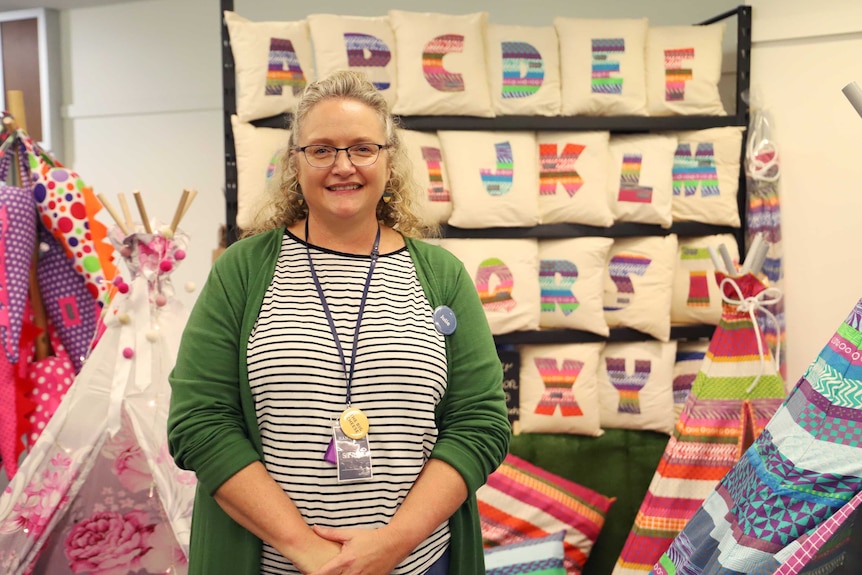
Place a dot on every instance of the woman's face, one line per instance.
(342, 191)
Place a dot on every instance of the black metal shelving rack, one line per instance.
(614, 124)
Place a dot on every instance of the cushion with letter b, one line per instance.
(360, 43)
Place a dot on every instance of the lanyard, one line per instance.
(348, 376)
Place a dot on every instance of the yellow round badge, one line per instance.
(353, 422)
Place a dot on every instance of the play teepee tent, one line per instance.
(790, 505)
(98, 492)
(735, 392)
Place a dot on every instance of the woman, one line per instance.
(337, 390)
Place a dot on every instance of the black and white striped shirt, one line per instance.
(299, 388)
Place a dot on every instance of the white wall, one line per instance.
(804, 53)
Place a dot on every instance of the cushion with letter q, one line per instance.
(273, 62)
(360, 43)
(506, 275)
(441, 64)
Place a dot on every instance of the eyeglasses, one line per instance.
(322, 156)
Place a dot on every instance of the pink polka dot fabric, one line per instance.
(51, 378)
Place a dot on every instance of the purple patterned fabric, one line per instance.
(70, 306)
(17, 243)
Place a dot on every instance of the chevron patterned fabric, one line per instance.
(800, 480)
(718, 421)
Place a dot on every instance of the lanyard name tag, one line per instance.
(352, 456)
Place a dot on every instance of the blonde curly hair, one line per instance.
(285, 207)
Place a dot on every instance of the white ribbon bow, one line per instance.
(751, 305)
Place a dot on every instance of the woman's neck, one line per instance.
(350, 239)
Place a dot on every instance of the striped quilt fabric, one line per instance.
(804, 468)
(719, 420)
(521, 501)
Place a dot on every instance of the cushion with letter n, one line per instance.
(522, 501)
(638, 284)
(696, 297)
(571, 277)
(360, 43)
(494, 178)
(429, 173)
(441, 64)
(635, 384)
(602, 66)
(640, 184)
(573, 178)
(706, 176)
(524, 68)
(558, 389)
(506, 276)
(273, 62)
(683, 65)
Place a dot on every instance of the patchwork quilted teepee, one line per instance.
(98, 492)
(796, 488)
(734, 394)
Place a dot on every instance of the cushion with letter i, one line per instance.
(259, 157)
(273, 63)
(524, 68)
(638, 284)
(696, 297)
(683, 66)
(359, 43)
(441, 64)
(635, 383)
(558, 389)
(571, 277)
(522, 502)
(706, 176)
(573, 176)
(494, 178)
(430, 174)
(506, 276)
(640, 184)
(602, 66)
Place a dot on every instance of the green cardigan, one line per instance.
(212, 425)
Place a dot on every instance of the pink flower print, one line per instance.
(132, 470)
(109, 543)
(165, 552)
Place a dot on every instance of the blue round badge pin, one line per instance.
(444, 320)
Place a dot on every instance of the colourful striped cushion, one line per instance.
(537, 556)
(521, 501)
